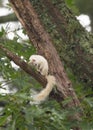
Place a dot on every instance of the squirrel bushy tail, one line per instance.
(46, 91)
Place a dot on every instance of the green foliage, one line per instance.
(18, 114)
(2, 32)
(71, 4)
(85, 6)
(86, 98)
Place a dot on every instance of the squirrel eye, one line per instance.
(33, 60)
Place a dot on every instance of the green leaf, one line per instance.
(2, 32)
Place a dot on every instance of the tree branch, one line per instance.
(23, 65)
(8, 18)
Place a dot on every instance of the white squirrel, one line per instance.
(41, 65)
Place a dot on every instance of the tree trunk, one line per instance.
(76, 45)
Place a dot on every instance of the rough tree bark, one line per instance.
(43, 43)
(76, 48)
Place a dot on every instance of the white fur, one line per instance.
(41, 64)
(46, 91)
